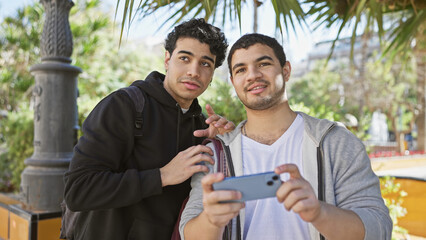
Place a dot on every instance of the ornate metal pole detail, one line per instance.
(56, 40)
(55, 113)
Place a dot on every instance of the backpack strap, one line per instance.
(223, 153)
(225, 166)
(138, 98)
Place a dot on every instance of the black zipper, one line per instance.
(320, 168)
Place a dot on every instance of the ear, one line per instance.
(287, 71)
(166, 60)
(232, 80)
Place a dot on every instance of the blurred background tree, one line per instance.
(318, 93)
(222, 97)
(105, 69)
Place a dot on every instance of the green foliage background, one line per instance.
(105, 69)
(221, 96)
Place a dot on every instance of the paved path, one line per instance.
(405, 166)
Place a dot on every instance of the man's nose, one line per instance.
(194, 70)
(253, 74)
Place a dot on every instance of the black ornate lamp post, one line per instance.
(55, 112)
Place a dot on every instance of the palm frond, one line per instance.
(351, 13)
(289, 11)
(402, 36)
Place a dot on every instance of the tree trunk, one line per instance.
(394, 121)
(364, 96)
(255, 6)
(420, 54)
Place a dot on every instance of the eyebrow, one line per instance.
(257, 60)
(191, 54)
(237, 65)
(263, 58)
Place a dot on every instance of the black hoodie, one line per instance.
(114, 178)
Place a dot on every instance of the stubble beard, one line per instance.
(265, 102)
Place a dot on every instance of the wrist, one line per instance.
(321, 214)
(201, 225)
(163, 177)
(210, 224)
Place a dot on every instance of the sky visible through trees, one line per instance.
(297, 45)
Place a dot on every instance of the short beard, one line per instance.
(267, 102)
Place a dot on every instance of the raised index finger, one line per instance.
(210, 110)
(290, 168)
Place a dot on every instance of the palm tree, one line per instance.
(405, 33)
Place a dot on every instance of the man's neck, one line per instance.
(267, 126)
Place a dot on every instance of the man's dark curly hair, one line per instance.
(251, 39)
(203, 32)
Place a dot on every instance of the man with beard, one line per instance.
(132, 187)
(329, 189)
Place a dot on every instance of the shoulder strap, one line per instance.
(138, 98)
(225, 166)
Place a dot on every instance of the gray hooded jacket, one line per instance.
(348, 181)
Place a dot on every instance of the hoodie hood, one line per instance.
(316, 128)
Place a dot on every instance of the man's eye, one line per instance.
(206, 64)
(240, 70)
(184, 58)
(264, 64)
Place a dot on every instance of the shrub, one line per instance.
(394, 197)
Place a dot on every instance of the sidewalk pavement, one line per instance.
(402, 166)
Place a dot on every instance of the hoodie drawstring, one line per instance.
(193, 129)
(193, 125)
(178, 127)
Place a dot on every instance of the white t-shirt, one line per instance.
(267, 218)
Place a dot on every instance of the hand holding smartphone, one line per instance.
(252, 187)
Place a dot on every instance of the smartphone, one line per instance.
(252, 187)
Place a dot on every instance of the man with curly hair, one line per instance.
(128, 187)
